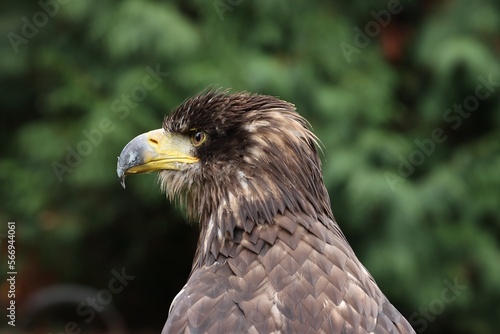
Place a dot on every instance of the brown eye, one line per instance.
(198, 138)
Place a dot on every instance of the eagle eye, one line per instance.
(198, 138)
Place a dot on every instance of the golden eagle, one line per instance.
(270, 256)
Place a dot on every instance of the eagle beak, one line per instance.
(153, 151)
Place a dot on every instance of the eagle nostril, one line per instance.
(154, 141)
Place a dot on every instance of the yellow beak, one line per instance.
(153, 151)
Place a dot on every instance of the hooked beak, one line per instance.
(153, 151)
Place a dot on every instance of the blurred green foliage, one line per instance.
(420, 212)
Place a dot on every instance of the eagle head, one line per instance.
(238, 159)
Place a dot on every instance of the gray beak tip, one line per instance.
(122, 181)
(120, 170)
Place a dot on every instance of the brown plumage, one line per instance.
(270, 257)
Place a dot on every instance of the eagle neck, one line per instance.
(224, 229)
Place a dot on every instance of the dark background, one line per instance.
(395, 91)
